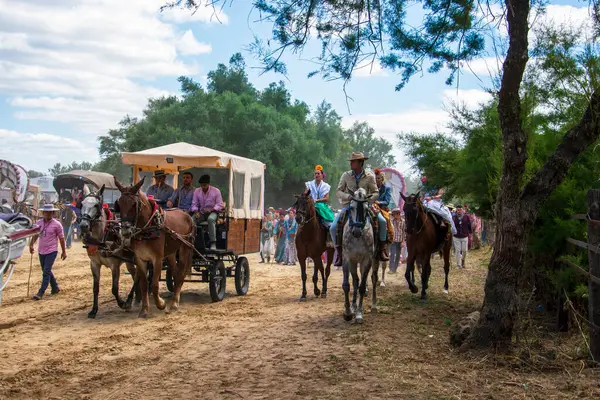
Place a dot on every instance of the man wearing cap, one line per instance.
(160, 190)
(206, 205)
(50, 231)
(183, 196)
(351, 181)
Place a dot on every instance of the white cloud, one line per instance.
(48, 149)
(188, 44)
(89, 62)
(472, 98)
(484, 67)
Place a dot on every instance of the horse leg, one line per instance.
(410, 273)
(141, 280)
(317, 267)
(302, 261)
(348, 314)
(446, 265)
(157, 269)
(134, 288)
(383, 268)
(116, 275)
(364, 275)
(174, 268)
(96, 287)
(425, 277)
(179, 270)
(326, 271)
(374, 277)
(355, 284)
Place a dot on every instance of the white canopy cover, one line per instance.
(246, 180)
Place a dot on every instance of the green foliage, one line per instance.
(234, 117)
(58, 168)
(34, 174)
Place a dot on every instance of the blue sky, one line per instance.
(71, 69)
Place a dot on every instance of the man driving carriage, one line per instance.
(160, 191)
(351, 181)
(206, 205)
(183, 196)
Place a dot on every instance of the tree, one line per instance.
(34, 174)
(451, 34)
(58, 168)
(362, 137)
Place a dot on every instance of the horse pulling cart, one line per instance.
(238, 225)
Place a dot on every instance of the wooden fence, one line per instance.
(593, 275)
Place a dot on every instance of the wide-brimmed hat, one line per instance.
(358, 156)
(158, 173)
(396, 210)
(48, 208)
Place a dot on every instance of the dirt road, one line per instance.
(263, 345)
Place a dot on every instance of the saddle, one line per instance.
(443, 233)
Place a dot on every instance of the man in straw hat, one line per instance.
(160, 190)
(350, 182)
(50, 230)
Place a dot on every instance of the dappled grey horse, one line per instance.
(357, 248)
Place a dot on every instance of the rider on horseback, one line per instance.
(349, 183)
(433, 202)
(319, 191)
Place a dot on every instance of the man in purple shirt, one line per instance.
(461, 239)
(51, 230)
(206, 205)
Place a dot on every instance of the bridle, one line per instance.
(301, 214)
(98, 208)
(358, 224)
(419, 207)
(156, 214)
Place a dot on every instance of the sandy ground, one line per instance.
(262, 345)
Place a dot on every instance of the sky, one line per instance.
(70, 70)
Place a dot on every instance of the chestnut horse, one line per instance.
(154, 234)
(311, 241)
(424, 238)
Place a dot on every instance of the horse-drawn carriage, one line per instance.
(238, 225)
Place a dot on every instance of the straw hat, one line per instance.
(358, 156)
(158, 173)
(48, 208)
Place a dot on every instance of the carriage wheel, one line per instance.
(217, 281)
(170, 281)
(242, 276)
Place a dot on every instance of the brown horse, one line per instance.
(424, 238)
(153, 235)
(311, 241)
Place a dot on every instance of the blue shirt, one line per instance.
(161, 195)
(385, 196)
(185, 195)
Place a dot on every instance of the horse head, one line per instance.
(412, 211)
(91, 210)
(359, 207)
(130, 208)
(305, 208)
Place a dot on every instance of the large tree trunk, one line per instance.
(516, 209)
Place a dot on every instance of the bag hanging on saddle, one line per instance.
(324, 212)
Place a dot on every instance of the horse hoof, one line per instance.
(324, 295)
(92, 314)
(374, 310)
(358, 320)
(445, 291)
(162, 305)
(302, 299)
(414, 289)
(347, 317)
(317, 293)
(382, 284)
(143, 315)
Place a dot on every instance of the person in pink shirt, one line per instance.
(206, 205)
(50, 230)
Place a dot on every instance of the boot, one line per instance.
(337, 262)
(383, 254)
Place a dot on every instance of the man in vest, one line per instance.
(350, 182)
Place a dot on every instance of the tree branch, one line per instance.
(576, 140)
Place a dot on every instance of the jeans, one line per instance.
(395, 255)
(382, 228)
(68, 231)
(47, 261)
(212, 225)
(334, 224)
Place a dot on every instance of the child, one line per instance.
(50, 230)
(399, 238)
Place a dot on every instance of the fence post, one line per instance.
(594, 269)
